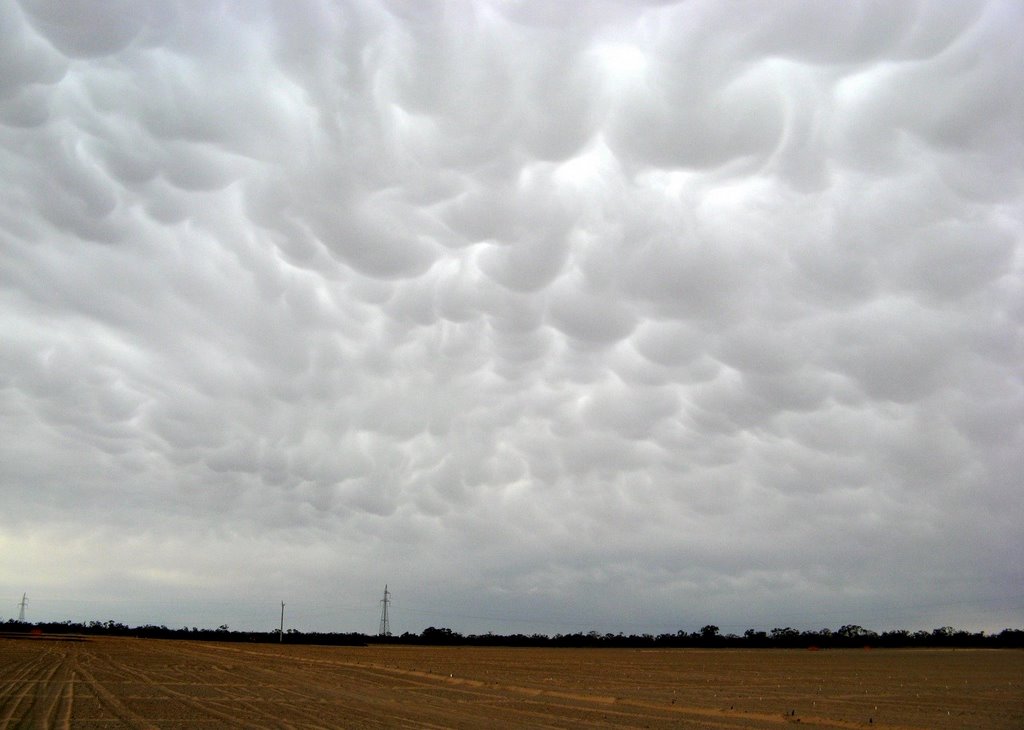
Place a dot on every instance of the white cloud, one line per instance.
(639, 318)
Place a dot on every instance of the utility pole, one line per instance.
(21, 611)
(385, 626)
(280, 634)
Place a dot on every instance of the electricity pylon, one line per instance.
(385, 626)
(21, 608)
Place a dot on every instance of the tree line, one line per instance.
(710, 636)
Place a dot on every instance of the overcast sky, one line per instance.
(553, 316)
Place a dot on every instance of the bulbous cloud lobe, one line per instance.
(655, 305)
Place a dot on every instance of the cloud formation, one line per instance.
(635, 318)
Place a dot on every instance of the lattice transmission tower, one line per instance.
(21, 607)
(385, 626)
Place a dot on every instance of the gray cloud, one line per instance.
(638, 318)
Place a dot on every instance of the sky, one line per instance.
(551, 316)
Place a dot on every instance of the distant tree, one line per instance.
(432, 635)
(851, 631)
(752, 635)
(1011, 638)
(899, 637)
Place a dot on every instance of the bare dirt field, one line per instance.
(136, 683)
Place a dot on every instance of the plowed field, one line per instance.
(134, 683)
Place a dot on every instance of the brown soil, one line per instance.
(135, 683)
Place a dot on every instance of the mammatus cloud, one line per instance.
(640, 317)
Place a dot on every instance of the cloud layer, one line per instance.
(634, 318)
